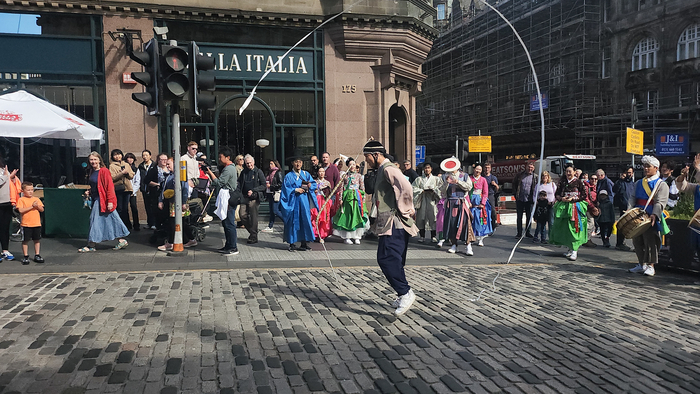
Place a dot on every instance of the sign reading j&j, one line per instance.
(635, 141)
(237, 62)
(675, 144)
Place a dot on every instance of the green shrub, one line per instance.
(685, 208)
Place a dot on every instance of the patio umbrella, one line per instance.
(25, 115)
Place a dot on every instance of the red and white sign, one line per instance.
(126, 79)
(10, 116)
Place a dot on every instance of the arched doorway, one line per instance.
(397, 132)
(240, 132)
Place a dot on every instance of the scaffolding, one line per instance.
(479, 80)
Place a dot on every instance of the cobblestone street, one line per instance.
(571, 327)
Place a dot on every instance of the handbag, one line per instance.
(276, 196)
(235, 198)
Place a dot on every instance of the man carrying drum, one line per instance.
(647, 244)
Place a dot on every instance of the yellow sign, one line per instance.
(635, 141)
(480, 143)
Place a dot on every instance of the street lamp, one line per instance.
(262, 143)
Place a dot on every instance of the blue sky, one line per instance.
(19, 23)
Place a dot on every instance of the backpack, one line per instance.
(370, 181)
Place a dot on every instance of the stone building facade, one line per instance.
(355, 78)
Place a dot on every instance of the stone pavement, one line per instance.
(547, 328)
(62, 257)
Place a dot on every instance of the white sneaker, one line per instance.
(568, 253)
(266, 230)
(207, 218)
(649, 271)
(348, 241)
(481, 242)
(439, 245)
(573, 255)
(190, 243)
(470, 252)
(638, 269)
(453, 249)
(434, 240)
(421, 239)
(405, 303)
(357, 241)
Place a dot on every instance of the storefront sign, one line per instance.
(234, 62)
(672, 144)
(480, 143)
(635, 141)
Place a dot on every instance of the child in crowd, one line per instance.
(606, 218)
(30, 208)
(542, 212)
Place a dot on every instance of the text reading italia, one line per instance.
(262, 63)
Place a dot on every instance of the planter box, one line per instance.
(682, 245)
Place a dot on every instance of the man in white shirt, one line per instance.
(190, 157)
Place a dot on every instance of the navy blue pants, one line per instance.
(229, 225)
(391, 256)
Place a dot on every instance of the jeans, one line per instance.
(541, 229)
(150, 200)
(605, 231)
(134, 211)
(230, 229)
(123, 207)
(274, 208)
(494, 218)
(520, 208)
(391, 257)
(620, 237)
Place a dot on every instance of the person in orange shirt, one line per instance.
(30, 208)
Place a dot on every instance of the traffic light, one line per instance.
(149, 78)
(173, 72)
(202, 78)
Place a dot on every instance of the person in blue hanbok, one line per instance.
(296, 200)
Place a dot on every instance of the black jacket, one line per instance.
(252, 180)
(148, 176)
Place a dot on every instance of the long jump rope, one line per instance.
(340, 182)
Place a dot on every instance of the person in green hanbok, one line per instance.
(350, 221)
(570, 223)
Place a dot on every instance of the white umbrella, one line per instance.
(24, 115)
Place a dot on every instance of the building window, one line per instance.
(644, 55)
(652, 100)
(607, 10)
(556, 74)
(688, 43)
(607, 62)
(441, 12)
(529, 85)
(685, 94)
(642, 4)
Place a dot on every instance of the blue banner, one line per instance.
(535, 104)
(420, 154)
(672, 144)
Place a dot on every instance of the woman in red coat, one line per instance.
(105, 223)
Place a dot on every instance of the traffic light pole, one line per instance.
(178, 248)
